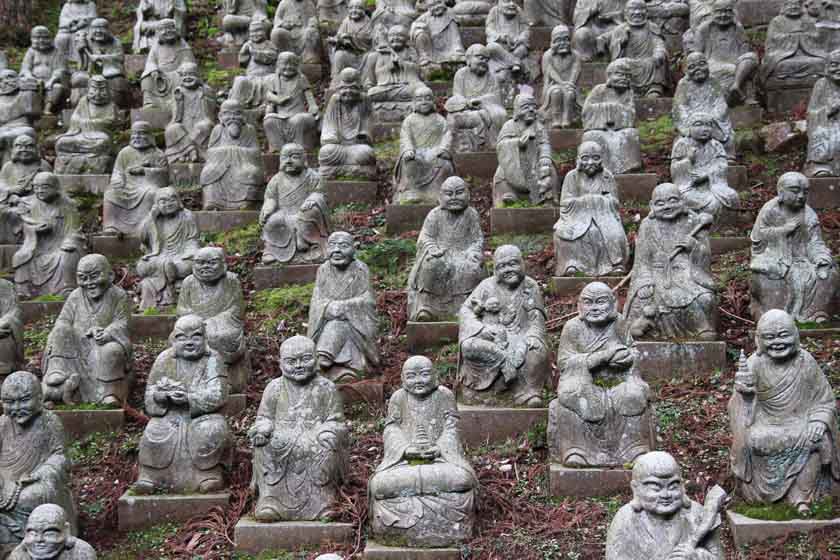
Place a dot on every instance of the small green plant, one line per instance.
(520, 203)
(243, 241)
(150, 311)
(824, 509)
(90, 448)
(288, 304)
(388, 256)
(46, 298)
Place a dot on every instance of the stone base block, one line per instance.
(84, 184)
(720, 245)
(35, 310)
(522, 220)
(227, 59)
(636, 186)
(400, 218)
(157, 118)
(746, 530)
(254, 537)
(661, 361)
(313, 72)
(472, 34)
(185, 173)
(752, 13)
(651, 108)
(481, 165)
(266, 277)
(483, 424)
(215, 222)
(585, 483)
(572, 285)
(824, 192)
(347, 192)
(746, 116)
(6, 254)
(365, 391)
(781, 101)
(151, 326)
(134, 64)
(375, 551)
(828, 332)
(81, 423)
(115, 247)
(236, 403)
(423, 335)
(139, 512)
(566, 138)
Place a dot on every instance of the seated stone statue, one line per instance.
(672, 292)
(16, 177)
(186, 444)
(508, 44)
(150, 18)
(160, 75)
(331, 12)
(259, 56)
(823, 156)
(352, 42)
(73, 22)
(475, 111)
(471, 12)
(300, 439)
(296, 29)
(594, 19)
(48, 536)
(793, 52)
(543, 13)
(783, 418)
(88, 353)
(193, 113)
(342, 313)
(589, 237)
(561, 73)
(44, 62)
(20, 105)
(52, 241)
(698, 93)
(295, 218)
(11, 329)
(345, 134)
(33, 465)
(425, 159)
(292, 114)
(424, 490)
(100, 52)
(389, 13)
(672, 18)
(436, 37)
(449, 263)
(699, 168)
(662, 521)
(233, 177)
(525, 170)
(641, 44)
(609, 118)
(392, 76)
(791, 266)
(590, 424)
(86, 146)
(237, 20)
(139, 171)
(502, 338)
(169, 238)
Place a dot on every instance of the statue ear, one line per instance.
(635, 503)
(70, 541)
(686, 501)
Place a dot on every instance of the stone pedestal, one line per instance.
(585, 483)
(651, 108)
(115, 247)
(481, 165)
(348, 192)
(400, 218)
(824, 192)
(746, 116)
(157, 118)
(570, 286)
(375, 551)
(139, 512)
(565, 139)
(84, 184)
(831, 332)
(254, 537)
(472, 34)
(662, 361)
(482, 424)
(592, 74)
(215, 222)
(228, 59)
(746, 530)
(782, 101)
(185, 174)
(364, 391)
(636, 186)
(423, 335)
(35, 310)
(81, 423)
(266, 277)
(134, 64)
(720, 245)
(523, 220)
(151, 326)
(752, 13)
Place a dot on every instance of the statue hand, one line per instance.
(410, 155)
(160, 397)
(622, 358)
(259, 440)
(68, 247)
(815, 431)
(682, 552)
(444, 154)
(102, 337)
(824, 260)
(138, 170)
(523, 140)
(437, 251)
(793, 224)
(178, 396)
(534, 343)
(328, 440)
(646, 292)
(475, 103)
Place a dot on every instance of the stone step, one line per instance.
(753, 13)
(565, 138)
(84, 184)
(424, 335)
(157, 118)
(369, 392)
(216, 222)
(255, 537)
(348, 192)
(572, 285)
(781, 102)
(275, 276)
(746, 530)
(151, 326)
(481, 165)
(376, 551)
(521, 221)
(826, 332)
(34, 310)
(721, 245)
(587, 483)
(140, 512)
(639, 186)
(81, 423)
(481, 424)
(663, 361)
(400, 218)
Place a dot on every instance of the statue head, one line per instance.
(292, 159)
(525, 108)
(232, 117)
(792, 190)
(777, 336)
(141, 136)
(298, 359)
(454, 195)
(596, 304)
(438, 7)
(258, 30)
(21, 397)
(100, 31)
(41, 39)
(635, 13)
(98, 91)
(508, 8)
(356, 9)
(190, 77)
(477, 59)
(349, 86)
(561, 39)
(189, 338)
(94, 276)
(209, 265)
(618, 74)
(340, 249)
(792, 9)
(813, 8)
(288, 65)
(9, 84)
(590, 158)
(697, 67)
(832, 66)
(657, 485)
(46, 187)
(723, 12)
(397, 37)
(702, 127)
(667, 202)
(419, 377)
(167, 202)
(47, 533)
(25, 149)
(424, 100)
(167, 31)
(508, 266)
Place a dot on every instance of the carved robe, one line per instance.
(437, 38)
(75, 17)
(713, 194)
(149, 13)
(823, 130)
(707, 97)
(290, 121)
(793, 51)
(355, 42)
(15, 183)
(17, 113)
(342, 128)
(86, 146)
(233, 177)
(160, 76)
(560, 87)
(392, 76)
(609, 118)
(170, 244)
(520, 171)
(725, 49)
(11, 321)
(193, 114)
(475, 128)
(137, 175)
(646, 52)
(420, 179)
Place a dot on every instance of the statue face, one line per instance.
(98, 93)
(167, 33)
(438, 9)
(528, 113)
(288, 67)
(724, 15)
(701, 131)
(189, 344)
(41, 41)
(168, 204)
(561, 43)
(141, 140)
(832, 69)
(45, 537)
(397, 40)
(292, 162)
(508, 8)
(24, 150)
(698, 70)
(190, 78)
(256, 35)
(636, 14)
(792, 9)
(454, 197)
(619, 80)
(298, 363)
(350, 94)
(813, 8)
(94, 280)
(596, 307)
(340, 250)
(793, 194)
(8, 82)
(509, 270)
(668, 205)
(477, 63)
(424, 103)
(21, 402)
(45, 191)
(590, 162)
(356, 11)
(778, 340)
(100, 33)
(420, 379)
(660, 494)
(233, 121)
(209, 266)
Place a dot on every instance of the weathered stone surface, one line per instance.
(185, 173)
(370, 392)
(746, 116)
(586, 483)
(421, 336)
(345, 130)
(271, 162)
(151, 326)
(782, 101)
(746, 531)
(6, 254)
(375, 551)
(214, 222)
(722, 245)
(266, 277)
(115, 247)
(400, 218)
(48, 537)
(522, 220)
(470, 35)
(566, 138)
(134, 64)
(661, 361)
(752, 13)
(157, 118)
(481, 165)
(785, 136)
(567, 286)
(35, 310)
(482, 424)
(235, 405)
(348, 192)
(255, 537)
(824, 192)
(81, 423)
(139, 512)
(831, 332)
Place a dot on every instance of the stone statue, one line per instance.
(823, 156)
(525, 170)
(151, 15)
(258, 54)
(233, 177)
(342, 313)
(99, 52)
(73, 22)
(48, 536)
(508, 43)
(425, 159)
(296, 29)
(609, 118)
(594, 19)
(52, 241)
(139, 171)
(791, 267)
(783, 418)
(641, 44)
(424, 490)
(186, 444)
(672, 18)
(33, 465)
(292, 114)
(16, 178)
(332, 12)
(392, 76)
(475, 111)
(86, 146)
(193, 109)
(541, 13)
(698, 93)
(160, 75)
(11, 329)
(20, 105)
(502, 338)
(591, 424)
(450, 255)
(238, 18)
(389, 13)
(436, 37)
(672, 291)
(352, 42)
(295, 218)
(169, 237)
(661, 521)
(471, 13)
(793, 52)
(589, 237)
(88, 353)
(44, 62)
(300, 439)
(345, 134)
(561, 68)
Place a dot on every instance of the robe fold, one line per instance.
(291, 234)
(11, 319)
(420, 179)
(713, 194)
(15, 183)
(823, 156)
(170, 244)
(609, 118)
(233, 177)
(130, 198)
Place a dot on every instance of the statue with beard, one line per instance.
(160, 75)
(291, 111)
(11, 329)
(296, 29)
(561, 73)
(193, 114)
(88, 354)
(86, 146)
(16, 178)
(698, 93)
(99, 52)
(436, 37)
(793, 50)
(352, 42)
(20, 105)
(238, 17)
(392, 75)
(48, 536)
(44, 62)
(73, 22)
(233, 177)
(152, 16)
(823, 157)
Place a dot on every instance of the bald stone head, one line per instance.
(477, 59)
(618, 74)
(47, 533)
(424, 100)
(298, 359)
(525, 108)
(209, 265)
(508, 266)
(596, 304)
(46, 187)
(723, 13)
(232, 116)
(25, 149)
(777, 336)
(189, 338)
(167, 202)
(657, 485)
(94, 276)
(590, 158)
(21, 397)
(288, 65)
(292, 159)
(340, 249)
(419, 377)
(792, 188)
(454, 195)
(142, 137)
(667, 202)
(697, 67)
(635, 13)
(561, 39)
(167, 31)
